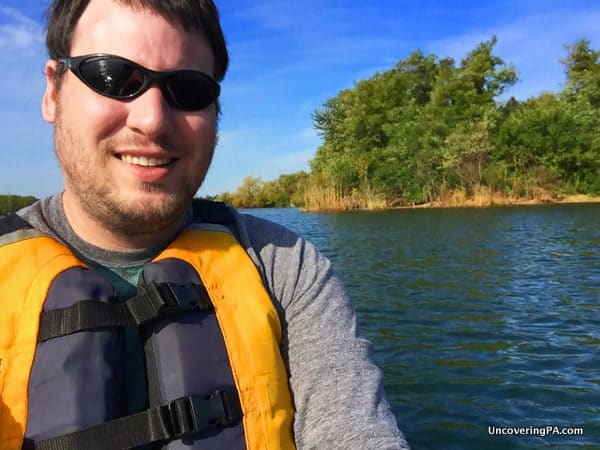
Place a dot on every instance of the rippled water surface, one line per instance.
(478, 317)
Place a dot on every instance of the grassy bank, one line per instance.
(318, 198)
(330, 198)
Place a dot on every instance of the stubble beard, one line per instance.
(97, 198)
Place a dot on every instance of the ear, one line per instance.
(51, 94)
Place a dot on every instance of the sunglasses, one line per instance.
(121, 79)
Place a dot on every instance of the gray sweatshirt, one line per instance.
(337, 390)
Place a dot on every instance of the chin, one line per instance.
(140, 212)
(157, 203)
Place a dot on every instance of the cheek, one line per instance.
(201, 134)
(107, 115)
(95, 117)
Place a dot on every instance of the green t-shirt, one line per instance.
(124, 280)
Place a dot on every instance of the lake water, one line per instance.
(479, 317)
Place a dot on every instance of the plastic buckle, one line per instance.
(170, 298)
(195, 413)
(230, 408)
(183, 417)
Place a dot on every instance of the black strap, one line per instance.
(156, 300)
(186, 416)
(83, 315)
(13, 222)
(213, 212)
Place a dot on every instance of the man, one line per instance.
(136, 318)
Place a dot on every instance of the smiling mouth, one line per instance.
(146, 162)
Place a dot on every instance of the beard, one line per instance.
(90, 181)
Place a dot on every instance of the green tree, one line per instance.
(580, 166)
(428, 126)
(582, 67)
(11, 203)
(249, 194)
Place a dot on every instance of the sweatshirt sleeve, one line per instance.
(337, 390)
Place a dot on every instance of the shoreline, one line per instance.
(459, 200)
(493, 201)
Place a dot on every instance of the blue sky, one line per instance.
(288, 58)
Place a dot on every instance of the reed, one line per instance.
(323, 195)
(484, 196)
(326, 196)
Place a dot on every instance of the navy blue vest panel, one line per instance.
(76, 380)
(186, 355)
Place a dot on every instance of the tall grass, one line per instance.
(325, 196)
(482, 196)
(322, 194)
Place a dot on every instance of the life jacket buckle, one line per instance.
(196, 413)
(170, 298)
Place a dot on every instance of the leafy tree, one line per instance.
(225, 197)
(580, 166)
(293, 185)
(249, 194)
(11, 203)
(582, 67)
(428, 126)
(285, 191)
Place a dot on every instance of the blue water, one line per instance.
(478, 317)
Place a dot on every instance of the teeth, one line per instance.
(145, 162)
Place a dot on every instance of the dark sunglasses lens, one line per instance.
(118, 78)
(191, 90)
(112, 77)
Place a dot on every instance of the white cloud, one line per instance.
(19, 34)
(22, 50)
(244, 152)
(534, 44)
(309, 135)
(25, 140)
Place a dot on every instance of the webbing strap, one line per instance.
(186, 416)
(213, 212)
(12, 222)
(156, 300)
(84, 315)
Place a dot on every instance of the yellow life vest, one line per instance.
(248, 321)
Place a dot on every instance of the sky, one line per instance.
(288, 58)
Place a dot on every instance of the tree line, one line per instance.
(11, 203)
(429, 126)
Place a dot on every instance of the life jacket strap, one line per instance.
(155, 300)
(159, 300)
(186, 416)
(81, 316)
(13, 222)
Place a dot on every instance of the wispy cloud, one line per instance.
(314, 35)
(534, 44)
(18, 33)
(28, 165)
(22, 50)
(246, 152)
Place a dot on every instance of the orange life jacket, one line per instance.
(30, 262)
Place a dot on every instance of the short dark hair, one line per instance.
(193, 15)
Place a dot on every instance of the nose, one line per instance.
(150, 114)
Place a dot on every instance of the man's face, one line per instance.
(130, 166)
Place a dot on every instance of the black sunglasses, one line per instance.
(119, 78)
